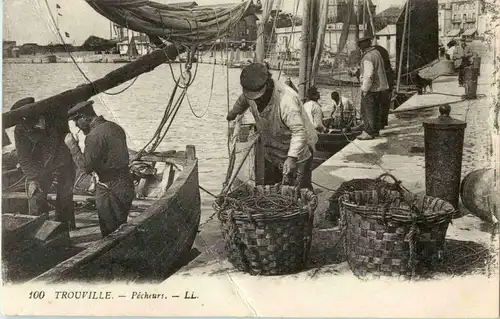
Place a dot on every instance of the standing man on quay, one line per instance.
(43, 156)
(285, 130)
(374, 89)
(462, 59)
(106, 154)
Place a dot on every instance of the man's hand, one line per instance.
(290, 166)
(70, 140)
(33, 187)
(231, 116)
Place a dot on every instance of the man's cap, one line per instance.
(463, 39)
(312, 90)
(253, 80)
(365, 38)
(22, 102)
(80, 108)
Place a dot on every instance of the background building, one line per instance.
(459, 18)
(387, 39)
(10, 50)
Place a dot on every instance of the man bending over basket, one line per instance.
(285, 130)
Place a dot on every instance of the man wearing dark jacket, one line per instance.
(385, 103)
(106, 154)
(42, 156)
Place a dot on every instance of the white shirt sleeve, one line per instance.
(367, 76)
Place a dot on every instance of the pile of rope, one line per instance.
(268, 205)
(173, 23)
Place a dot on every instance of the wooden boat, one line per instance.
(160, 231)
(332, 142)
(166, 214)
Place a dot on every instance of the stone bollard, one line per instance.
(444, 139)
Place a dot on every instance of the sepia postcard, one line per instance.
(251, 158)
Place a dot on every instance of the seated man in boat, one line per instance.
(43, 156)
(313, 109)
(374, 89)
(106, 154)
(285, 130)
(344, 112)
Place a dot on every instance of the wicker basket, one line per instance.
(269, 244)
(393, 233)
(366, 184)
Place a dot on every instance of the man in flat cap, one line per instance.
(285, 130)
(43, 156)
(374, 89)
(106, 154)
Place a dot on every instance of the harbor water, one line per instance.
(140, 108)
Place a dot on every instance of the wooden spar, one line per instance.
(356, 13)
(400, 64)
(371, 23)
(69, 98)
(304, 49)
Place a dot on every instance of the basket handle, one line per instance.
(396, 181)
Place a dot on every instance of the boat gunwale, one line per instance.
(112, 240)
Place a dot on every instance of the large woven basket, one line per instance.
(366, 184)
(269, 244)
(393, 233)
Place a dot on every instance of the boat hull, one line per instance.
(331, 143)
(148, 248)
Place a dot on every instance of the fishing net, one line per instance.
(173, 23)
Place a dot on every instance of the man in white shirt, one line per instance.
(374, 87)
(344, 111)
(285, 131)
(313, 109)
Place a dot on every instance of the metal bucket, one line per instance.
(477, 192)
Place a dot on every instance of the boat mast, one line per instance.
(371, 22)
(356, 15)
(304, 50)
(364, 19)
(400, 64)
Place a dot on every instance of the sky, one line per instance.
(29, 21)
